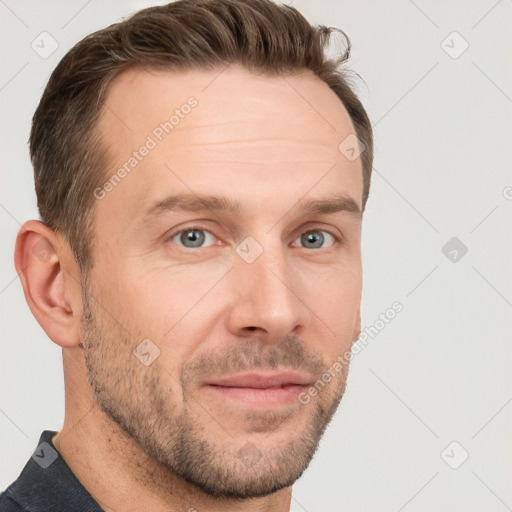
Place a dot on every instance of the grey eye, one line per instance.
(191, 238)
(314, 239)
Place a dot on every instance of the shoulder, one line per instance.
(46, 483)
(8, 504)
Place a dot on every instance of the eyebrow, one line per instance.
(193, 203)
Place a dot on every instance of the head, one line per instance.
(194, 185)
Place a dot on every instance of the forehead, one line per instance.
(225, 129)
(137, 99)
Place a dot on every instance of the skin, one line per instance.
(266, 142)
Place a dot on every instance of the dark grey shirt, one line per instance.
(46, 483)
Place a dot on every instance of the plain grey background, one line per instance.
(425, 423)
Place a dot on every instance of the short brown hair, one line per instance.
(69, 159)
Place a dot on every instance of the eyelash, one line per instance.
(337, 238)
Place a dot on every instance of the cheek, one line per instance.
(170, 307)
(336, 306)
(151, 302)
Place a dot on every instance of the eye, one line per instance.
(192, 238)
(315, 239)
(196, 237)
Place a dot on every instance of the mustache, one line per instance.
(291, 353)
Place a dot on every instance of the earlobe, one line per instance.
(39, 265)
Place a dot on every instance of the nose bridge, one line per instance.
(267, 294)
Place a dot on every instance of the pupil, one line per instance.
(313, 238)
(192, 238)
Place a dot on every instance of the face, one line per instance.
(227, 272)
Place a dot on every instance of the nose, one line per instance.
(267, 297)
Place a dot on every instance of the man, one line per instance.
(201, 171)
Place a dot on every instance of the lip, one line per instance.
(258, 380)
(260, 390)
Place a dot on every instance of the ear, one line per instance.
(51, 290)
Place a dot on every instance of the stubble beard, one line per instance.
(132, 396)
